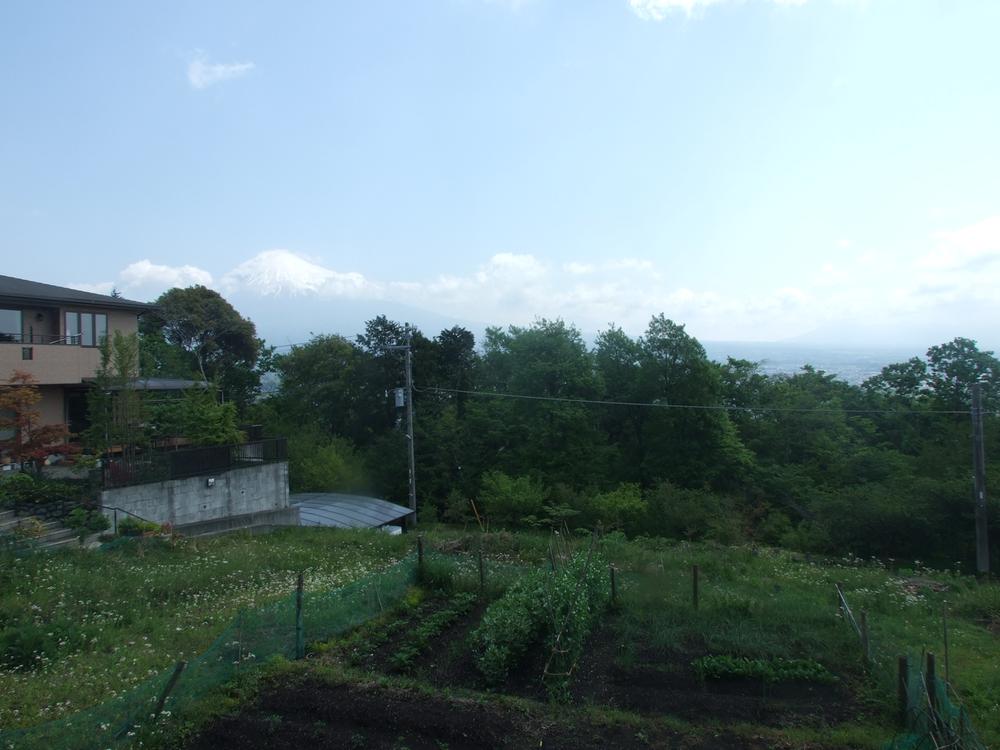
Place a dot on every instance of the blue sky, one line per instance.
(758, 170)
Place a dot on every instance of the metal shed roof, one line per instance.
(345, 511)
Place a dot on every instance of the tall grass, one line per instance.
(77, 627)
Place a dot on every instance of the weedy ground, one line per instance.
(80, 626)
(117, 617)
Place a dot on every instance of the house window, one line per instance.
(27, 352)
(10, 325)
(86, 329)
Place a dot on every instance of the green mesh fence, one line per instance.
(253, 637)
(933, 717)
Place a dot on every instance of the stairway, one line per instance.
(54, 534)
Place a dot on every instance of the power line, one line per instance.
(692, 407)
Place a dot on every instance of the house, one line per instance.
(54, 333)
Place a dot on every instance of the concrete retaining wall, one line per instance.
(239, 492)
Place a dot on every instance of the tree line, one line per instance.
(533, 427)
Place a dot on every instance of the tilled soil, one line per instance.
(311, 713)
(317, 713)
(664, 683)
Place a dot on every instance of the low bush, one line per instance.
(136, 527)
(560, 606)
(508, 501)
(86, 522)
(718, 667)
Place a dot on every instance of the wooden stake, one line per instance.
(300, 640)
(866, 646)
(947, 665)
(694, 585)
(169, 687)
(901, 687)
(931, 679)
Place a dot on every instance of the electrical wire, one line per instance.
(692, 407)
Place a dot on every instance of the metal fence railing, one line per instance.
(38, 338)
(161, 466)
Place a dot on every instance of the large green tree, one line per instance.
(219, 344)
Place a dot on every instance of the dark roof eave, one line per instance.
(24, 292)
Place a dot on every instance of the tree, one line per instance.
(688, 446)
(222, 344)
(548, 435)
(328, 383)
(114, 404)
(955, 366)
(30, 441)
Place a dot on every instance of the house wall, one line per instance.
(50, 408)
(237, 492)
(51, 364)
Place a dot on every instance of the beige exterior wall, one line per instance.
(50, 408)
(53, 364)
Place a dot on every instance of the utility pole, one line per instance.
(409, 424)
(408, 349)
(979, 466)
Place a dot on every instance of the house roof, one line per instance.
(158, 384)
(345, 511)
(22, 291)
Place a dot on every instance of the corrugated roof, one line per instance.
(345, 511)
(29, 292)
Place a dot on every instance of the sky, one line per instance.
(759, 170)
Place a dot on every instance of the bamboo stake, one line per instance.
(694, 585)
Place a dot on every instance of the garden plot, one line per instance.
(440, 643)
(631, 676)
(325, 711)
(761, 658)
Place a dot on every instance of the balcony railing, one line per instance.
(38, 338)
(156, 466)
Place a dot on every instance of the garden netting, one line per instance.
(253, 637)
(932, 717)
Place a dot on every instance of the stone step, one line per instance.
(50, 543)
(56, 535)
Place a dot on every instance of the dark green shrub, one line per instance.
(134, 527)
(86, 522)
(542, 605)
(508, 501)
(723, 666)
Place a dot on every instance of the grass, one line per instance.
(96, 624)
(77, 627)
(770, 604)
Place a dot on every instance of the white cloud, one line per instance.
(201, 73)
(101, 287)
(658, 10)
(976, 244)
(144, 273)
(954, 286)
